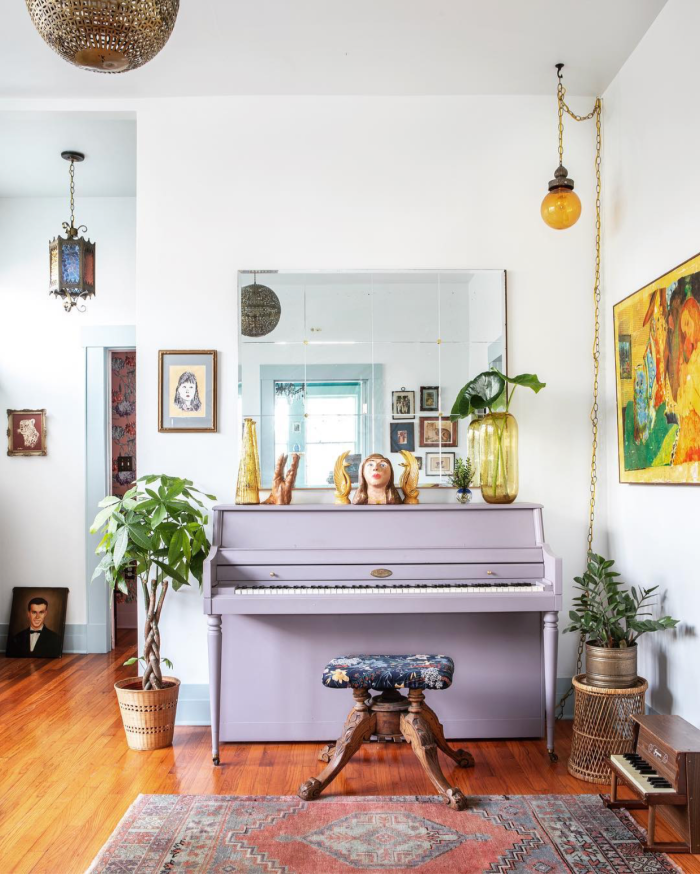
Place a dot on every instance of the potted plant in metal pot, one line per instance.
(157, 531)
(611, 619)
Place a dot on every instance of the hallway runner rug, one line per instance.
(497, 834)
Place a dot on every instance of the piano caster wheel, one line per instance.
(216, 760)
(553, 757)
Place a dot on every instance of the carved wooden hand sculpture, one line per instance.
(282, 486)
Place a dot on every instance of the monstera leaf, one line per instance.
(529, 380)
(482, 392)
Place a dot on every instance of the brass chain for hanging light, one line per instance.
(596, 113)
(71, 171)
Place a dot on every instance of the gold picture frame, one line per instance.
(23, 435)
(187, 391)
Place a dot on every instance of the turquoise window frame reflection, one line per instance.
(302, 411)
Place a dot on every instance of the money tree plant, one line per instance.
(608, 615)
(157, 532)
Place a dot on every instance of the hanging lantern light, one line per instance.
(107, 36)
(72, 259)
(260, 308)
(561, 207)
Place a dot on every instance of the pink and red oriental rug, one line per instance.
(535, 834)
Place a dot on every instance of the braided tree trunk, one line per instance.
(152, 675)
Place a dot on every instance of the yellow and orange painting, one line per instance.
(657, 352)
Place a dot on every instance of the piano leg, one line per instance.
(214, 639)
(551, 642)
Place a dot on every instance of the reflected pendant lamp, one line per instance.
(72, 258)
(106, 36)
(260, 309)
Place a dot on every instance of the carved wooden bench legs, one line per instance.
(359, 726)
(413, 719)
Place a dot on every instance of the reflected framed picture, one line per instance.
(439, 463)
(402, 436)
(352, 463)
(187, 390)
(37, 622)
(430, 399)
(419, 461)
(403, 404)
(26, 432)
(437, 432)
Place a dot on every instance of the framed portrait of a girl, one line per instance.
(187, 390)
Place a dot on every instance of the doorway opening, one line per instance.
(122, 471)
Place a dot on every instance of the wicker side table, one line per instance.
(602, 727)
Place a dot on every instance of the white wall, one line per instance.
(228, 184)
(652, 223)
(42, 364)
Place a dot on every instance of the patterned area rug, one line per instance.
(521, 834)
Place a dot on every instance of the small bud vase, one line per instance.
(464, 496)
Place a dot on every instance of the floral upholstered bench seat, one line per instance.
(383, 672)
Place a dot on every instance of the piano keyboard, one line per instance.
(639, 773)
(446, 589)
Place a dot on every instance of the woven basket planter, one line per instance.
(602, 727)
(148, 716)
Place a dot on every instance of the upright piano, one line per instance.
(287, 588)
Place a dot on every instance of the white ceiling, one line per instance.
(30, 153)
(353, 47)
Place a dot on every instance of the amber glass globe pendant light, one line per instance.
(72, 258)
(561, 206)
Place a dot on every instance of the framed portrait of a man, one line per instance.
(37, 622)
(187, 390)
(26, 432)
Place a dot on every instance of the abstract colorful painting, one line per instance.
(657, 350)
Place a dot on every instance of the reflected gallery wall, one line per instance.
(364, 362)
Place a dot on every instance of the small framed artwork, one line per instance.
(402, 436)
(187, 390)
(26, 432)
(624, 348)
(437, 432)
(353, 467)
(37, 622)
(403, 404)
(419, 461)
(439, 463)
(430, 399)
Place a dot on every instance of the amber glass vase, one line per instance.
(498, 460)
(474, 449)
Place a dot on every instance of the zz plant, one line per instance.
(157, 531)
(608, 615)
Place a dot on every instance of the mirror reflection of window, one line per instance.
(321, 420)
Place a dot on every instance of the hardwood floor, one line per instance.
(67, 776)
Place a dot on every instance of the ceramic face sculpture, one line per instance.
(376, 482)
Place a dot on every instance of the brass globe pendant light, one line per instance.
(72, 258)
(561, 207)
(107, 36)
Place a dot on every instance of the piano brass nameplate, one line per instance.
(381, 572)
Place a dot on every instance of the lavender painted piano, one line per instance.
(286, 588)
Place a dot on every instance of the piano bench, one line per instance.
(391, 716)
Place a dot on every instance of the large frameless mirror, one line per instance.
(364, 362)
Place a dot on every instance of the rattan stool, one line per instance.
(602, 727)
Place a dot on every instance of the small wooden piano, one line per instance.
(663, 771)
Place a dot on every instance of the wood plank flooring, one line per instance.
(67, 776)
